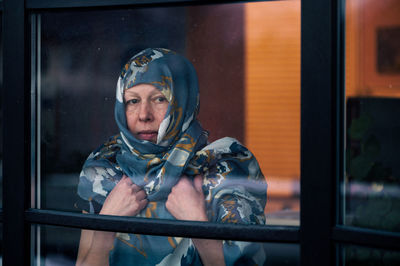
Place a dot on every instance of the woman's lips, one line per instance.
(147, 135)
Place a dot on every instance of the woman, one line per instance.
(160, 165)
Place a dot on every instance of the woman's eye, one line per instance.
(160, 99)
(132, 101)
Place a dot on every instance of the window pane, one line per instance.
(1, 137)
(1, 114)
(363, 256)
(249, 79)
(59, 246)
(273, 102)
(372, 190)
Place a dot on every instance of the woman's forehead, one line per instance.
(142, 89)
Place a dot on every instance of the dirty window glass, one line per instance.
(249, 80)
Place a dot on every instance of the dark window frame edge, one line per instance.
(15, 93)
(100, 4)
(253, 233)
(366, 237)
(321, 130)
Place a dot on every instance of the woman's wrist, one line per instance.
(103, 241)
(210, 251)
(202, 217)
(99, 251)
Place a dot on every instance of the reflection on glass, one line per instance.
(1, 244)
(249, 79)
(54, 245)
(372, 190)
(362, 256)
(60, 245)
(272, 107)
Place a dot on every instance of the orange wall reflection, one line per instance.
(273, 94)
(363, 20)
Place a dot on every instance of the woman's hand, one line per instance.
(186, 200)
(126, 199)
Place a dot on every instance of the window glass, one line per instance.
(1, 137)
(352, 255)
(249, 80)
(1, 114)
(59, 246)
(272, 122)
(372, 178)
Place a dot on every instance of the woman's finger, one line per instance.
(140, 195)
(135, 188)
(198, 183)
(183, 183)
(128, 181)
(142, 204)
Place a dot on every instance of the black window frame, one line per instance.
(322, 78)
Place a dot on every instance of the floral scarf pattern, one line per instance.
(233, 185)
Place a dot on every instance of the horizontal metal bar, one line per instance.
(57, 4)
(366, 237)
(257, 233)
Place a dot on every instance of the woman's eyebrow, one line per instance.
(157, 92)
(130, 93)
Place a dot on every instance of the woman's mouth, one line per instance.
(148, 135)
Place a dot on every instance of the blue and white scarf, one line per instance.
(233, 185)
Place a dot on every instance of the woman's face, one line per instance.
(145, 108)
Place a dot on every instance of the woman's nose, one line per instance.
(145, 112)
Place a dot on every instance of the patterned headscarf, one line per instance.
(176, 78)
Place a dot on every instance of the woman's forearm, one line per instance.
(210, 251)
(186, 202)
(99, 249)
